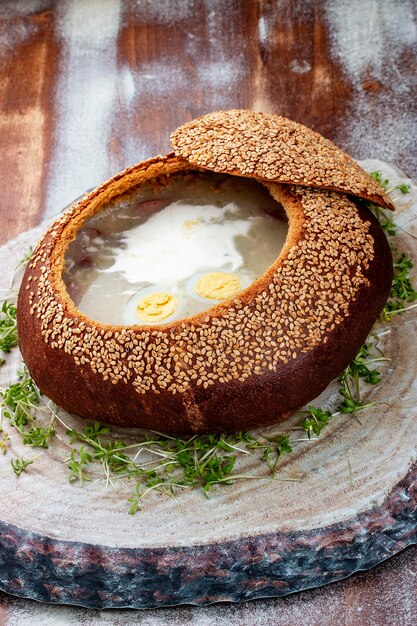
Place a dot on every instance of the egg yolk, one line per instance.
(156, 307)
(218, 286)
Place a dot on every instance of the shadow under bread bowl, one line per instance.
(250, 360)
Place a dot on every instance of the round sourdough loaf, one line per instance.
(249, 361)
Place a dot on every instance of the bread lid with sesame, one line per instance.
(273, 148)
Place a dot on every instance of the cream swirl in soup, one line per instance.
(173, 249)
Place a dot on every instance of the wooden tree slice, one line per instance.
(354, 507)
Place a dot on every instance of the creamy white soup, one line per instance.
(173, 249)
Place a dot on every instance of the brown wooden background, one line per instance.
(88, 87)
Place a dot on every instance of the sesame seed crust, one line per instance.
(273, 148)
(244, 363)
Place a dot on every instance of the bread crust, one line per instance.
(245, 363)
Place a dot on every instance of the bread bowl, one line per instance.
(250, 360)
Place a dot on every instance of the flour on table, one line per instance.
(164, 11)
(85, 98)
(15, 31)
(369, 39)
(362, 32)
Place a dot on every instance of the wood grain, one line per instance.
(26, 80)
(182, 69)
(344, 68)
(297, 76)
(174, 63)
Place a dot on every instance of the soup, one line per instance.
(174, 248)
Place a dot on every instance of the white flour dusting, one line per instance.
(363, 32)
(86, 95)
(221, 74)
(127, 90)
(175, 82)
(300, 67)
(369, 40)
(263, 30)
(13, 30)
(165, 11)
(161, 78)
(92, 87)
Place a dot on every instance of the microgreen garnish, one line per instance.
(4, 441)
(384, 182)
(274, 447)
(21, 403)
(377, 176)
(22, 262)
(25, 258)
(20, 465)
(350, 379)
(78, 459)
(20, 400)
(385, 218)
(8, 326)
(170, 464)
(316, 419)
(402, 291)
(404, 188)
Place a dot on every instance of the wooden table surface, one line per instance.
(88, 87)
